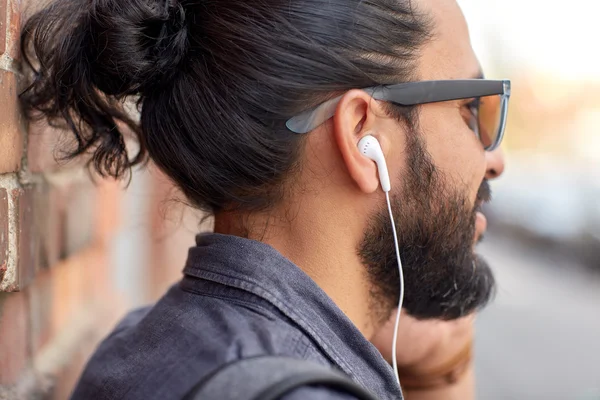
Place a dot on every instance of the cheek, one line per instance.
(454, 148)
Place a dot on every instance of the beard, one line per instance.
(443, 277)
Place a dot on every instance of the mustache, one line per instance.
(484, 194)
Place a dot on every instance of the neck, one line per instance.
(324, 250)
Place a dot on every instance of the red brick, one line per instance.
(71, 290)
(9, 33)
(3, 232)
(80, 217)
(108, 209)
(59, 294)
(50, 212)
(14, 349)
(65, 219)
(14, 30)
(11, 124)
(27, 241)
(27, 236)
(62, 294)
(98, 275)
(3, 28)
(41, 305)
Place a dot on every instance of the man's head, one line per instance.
(438, 194)
(439, 173)
(217, 83)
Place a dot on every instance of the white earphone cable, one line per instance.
(401, 298)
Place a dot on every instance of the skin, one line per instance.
(337, 189)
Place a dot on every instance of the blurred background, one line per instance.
(540, 338)
(75, 256)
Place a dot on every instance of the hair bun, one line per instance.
(171, 44)
(140, 45)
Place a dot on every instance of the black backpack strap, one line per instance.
(270, 378)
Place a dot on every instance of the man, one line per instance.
(302, 262)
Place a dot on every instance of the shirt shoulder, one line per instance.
(163, 350)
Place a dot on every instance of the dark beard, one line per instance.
(443, 277)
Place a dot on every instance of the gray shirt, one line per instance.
(238, 298)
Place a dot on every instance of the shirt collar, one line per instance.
(260, 269)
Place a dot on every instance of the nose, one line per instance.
(494, 163)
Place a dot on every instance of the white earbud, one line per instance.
(369, 146)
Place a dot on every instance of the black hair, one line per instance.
(214, 80)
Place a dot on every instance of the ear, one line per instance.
(355, 118)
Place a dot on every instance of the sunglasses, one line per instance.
(488, 109)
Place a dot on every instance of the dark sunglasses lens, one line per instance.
(490, 116)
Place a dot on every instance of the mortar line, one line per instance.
(10, 182)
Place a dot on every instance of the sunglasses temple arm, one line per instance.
(310, 119)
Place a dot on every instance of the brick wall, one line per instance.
(74, 255)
